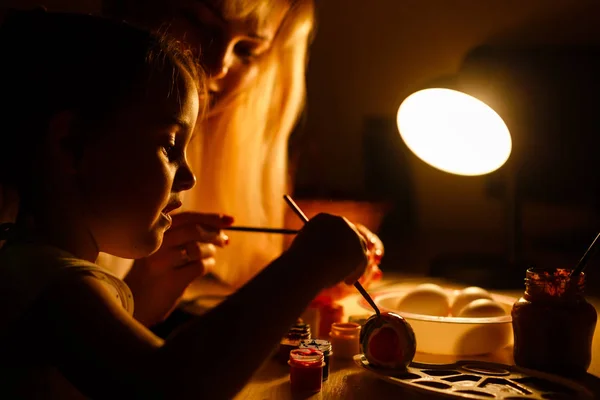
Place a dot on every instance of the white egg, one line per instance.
(467, 295)
(482, 308)
(426, 299)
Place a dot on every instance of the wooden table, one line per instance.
(348, 381)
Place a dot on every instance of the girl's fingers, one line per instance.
(374, 244)
(201, 260)
(214, 221)
(178, 256)
(184, 234)
(192, 270)
(370, 237)
(204, 250)
(194, 251)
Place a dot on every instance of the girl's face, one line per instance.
(230, 45)
(131, 174)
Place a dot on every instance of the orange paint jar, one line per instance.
(344, 337)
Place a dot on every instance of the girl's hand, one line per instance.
(375, 251)
(332, 249)
(187, 252)
(374, 245)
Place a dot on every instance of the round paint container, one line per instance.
(306, 370)
(324, 346)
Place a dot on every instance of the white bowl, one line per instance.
(452, 335)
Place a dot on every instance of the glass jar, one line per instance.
(306, 370)
(324, 347)
(553, 323)
(345, 339)
(297, 333)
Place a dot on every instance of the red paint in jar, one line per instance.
(553, 323)
(323, 346)
(306, 370)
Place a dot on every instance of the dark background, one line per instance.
(368, 56)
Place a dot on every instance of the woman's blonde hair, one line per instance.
(241, 156)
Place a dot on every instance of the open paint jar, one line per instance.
(553, 323)
(324, 347)
(306, 370)
(345, 337)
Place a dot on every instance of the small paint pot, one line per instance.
(298, 332)
(306, 370)
(324, 346)
(345, 339)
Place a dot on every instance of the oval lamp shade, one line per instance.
(454, 132)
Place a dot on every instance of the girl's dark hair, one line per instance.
(54, 62)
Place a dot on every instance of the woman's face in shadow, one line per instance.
(230, 43)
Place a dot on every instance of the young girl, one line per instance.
(255, 54)
(97, 119)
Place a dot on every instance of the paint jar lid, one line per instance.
(300, 327)
(306, 358)
(299, 331)
(318, 344)
(345, 329)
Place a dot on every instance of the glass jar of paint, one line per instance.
(306, 370)
(345, 339)
(324, 346)
(553, 323)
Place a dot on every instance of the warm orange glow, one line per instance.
(454, 132)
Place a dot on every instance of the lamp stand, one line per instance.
(514, 215)
(489, 270)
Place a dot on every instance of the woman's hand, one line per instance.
(187, 252)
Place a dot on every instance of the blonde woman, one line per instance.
(255, 53)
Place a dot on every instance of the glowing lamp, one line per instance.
(547, 97)
(454, 132)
